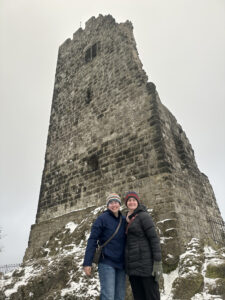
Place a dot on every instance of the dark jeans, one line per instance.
(144, 288)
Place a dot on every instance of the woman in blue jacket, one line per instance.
(111, 264)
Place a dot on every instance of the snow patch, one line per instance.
(98, 209)
(165, 220)
(205, 296)
(71, 226)
(29, 273)
(170, 229)
(163, 239)
(168, 281)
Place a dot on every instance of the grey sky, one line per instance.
(181, 44)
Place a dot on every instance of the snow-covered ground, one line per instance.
(69, 245)
(187, 267)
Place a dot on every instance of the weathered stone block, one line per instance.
(217, 288)
(216, 271)
(184, 288)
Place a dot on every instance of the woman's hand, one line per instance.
(157, 270)
(87, 270)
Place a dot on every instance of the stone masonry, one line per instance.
(109, 132)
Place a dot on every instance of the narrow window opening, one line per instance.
(88, 55)
(94, 50)
(93, 163)
(88, 96)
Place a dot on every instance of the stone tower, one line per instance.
(109, 132)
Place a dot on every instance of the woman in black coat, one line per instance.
(143, 252)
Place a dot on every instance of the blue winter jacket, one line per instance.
(102, 229)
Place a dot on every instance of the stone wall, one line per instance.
(42, 232)
(97, 112)
(109, 132)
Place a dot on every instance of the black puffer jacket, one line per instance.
(142, 246)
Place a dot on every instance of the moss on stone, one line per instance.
(218, 288)
(192, 261)
(186, 287)
(167, 268)
(215, 271)
(170, 255)
(48, 283)
(2, 296)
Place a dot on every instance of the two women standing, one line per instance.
(137, 239)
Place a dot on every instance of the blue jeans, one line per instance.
(112, 282)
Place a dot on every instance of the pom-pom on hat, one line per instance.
(113, 197)
(131, 194)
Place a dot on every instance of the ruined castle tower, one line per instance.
(109, 132)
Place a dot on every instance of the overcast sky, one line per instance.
(181, 44)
